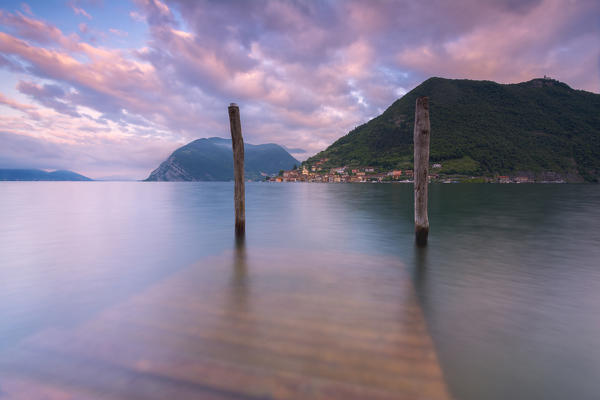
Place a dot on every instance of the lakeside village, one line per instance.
(319, 173)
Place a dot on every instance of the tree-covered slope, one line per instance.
(212, 160)
(485, 128)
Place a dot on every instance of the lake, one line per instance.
(139, 290)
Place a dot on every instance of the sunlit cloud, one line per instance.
(25, 108)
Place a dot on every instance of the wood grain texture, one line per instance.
(421, 169)
(265, 324)
(237, 143)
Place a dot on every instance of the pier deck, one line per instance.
(266, 325)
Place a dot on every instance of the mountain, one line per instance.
(212, 160)
(540, 127)
(39, 175)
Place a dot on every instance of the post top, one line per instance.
(233, 105)
(423, 102)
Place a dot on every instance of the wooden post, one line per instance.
(237, 144)
(421, 169)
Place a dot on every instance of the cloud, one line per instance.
(20, 151)
(78, 10)
(136, 16)
(518, 46)
(10, 64)
(108, 82)
(131, 158)
(294, 150)
(316, 70)
(25, 108)
(295, 97)
(25, 7)
(303, 72)
(118, 32)
(32, 29)
(51, 96)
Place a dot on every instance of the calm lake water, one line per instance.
(509, 286)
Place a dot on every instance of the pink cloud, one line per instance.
(25, 108)
(51, 96)
(304, 73)
(79, 11)
(118, 32)
(513, 49)
(32, 29)
(137, 16)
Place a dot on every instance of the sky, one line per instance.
(110, 88)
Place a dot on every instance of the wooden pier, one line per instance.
(262, 325)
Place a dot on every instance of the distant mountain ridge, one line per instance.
(40, 175)
(211, 159)
(484, 128)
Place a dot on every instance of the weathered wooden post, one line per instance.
(421, 169)
(237, 143)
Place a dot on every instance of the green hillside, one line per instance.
(485, 128)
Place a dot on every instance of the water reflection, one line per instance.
(508, 285)
(420, 268)
(105, 284)
(70, 250)
(240, 286)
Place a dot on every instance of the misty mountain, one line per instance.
(39, 175)
(212, 160)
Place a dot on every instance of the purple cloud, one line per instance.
(12, 65)
(304, 72)
(51, 96)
